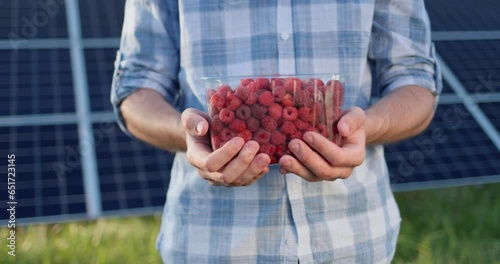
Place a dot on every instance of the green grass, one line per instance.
(455, 225)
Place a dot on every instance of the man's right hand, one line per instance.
(234, 164)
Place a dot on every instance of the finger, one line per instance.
(234, 169)
(200, 155)
(351, 121)
(195, 121)
(292, 165)
(256, 178)
(312, 159)
(259, 166)
(332, 153)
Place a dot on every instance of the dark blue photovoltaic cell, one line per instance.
(449, 15)
(35, 82)
(24, 20)
(475, 63)
(101, 19)
(453, 147)
(131, 174)
(48, 170)
(99, 74)
(492, 111)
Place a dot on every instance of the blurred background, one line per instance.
(81, 184)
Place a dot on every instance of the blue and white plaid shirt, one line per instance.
(168, 46)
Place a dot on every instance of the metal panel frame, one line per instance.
(85, 131)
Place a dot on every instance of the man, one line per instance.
(297, 210)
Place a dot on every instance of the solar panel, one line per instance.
(492, 111)
(24, 20)
(453, 147)
(475, 63)
(131, 174)
(464, 15)
(101, 19)
(35, 82)
(99, 74)
(48, 171)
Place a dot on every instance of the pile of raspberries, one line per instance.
(274, 111)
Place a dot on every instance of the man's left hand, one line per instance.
(319, 159)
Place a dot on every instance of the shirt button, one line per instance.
(285, 36)
(290, 242)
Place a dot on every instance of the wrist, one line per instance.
(375, 127)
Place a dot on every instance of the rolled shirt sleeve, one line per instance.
(149, 52)
(400, 50)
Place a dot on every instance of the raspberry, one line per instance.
(322, 129)
(246, 81)
(268, 123)
(288, 128)
(238, 125)
(216, 142)
(212, 110)
(229, 95)
(253, 124)
(297, 135)
(278, 93)
(226, 115)
(315, 82)
(216, 125)
(266, 98)
(258, 111)
(242, 92)
(262, 136)
(276, 82)
(252, 99)
(300, 124)
(277, 138)
(223, 89)
(292, 85)
(253, 87)
(245, 135)
(275, 111)
(234, 103)
(226, 135)
(210, 93)
(243, 112)
(290, 113)
(306, 115)
(268, 149)
(218, 101)
(288, 100)
(280, 151)
(262, 83)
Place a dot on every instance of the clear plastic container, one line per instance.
(273, 110)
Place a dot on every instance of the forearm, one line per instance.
(153, 120)
(401, 114)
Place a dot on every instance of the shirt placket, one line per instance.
(286, 60)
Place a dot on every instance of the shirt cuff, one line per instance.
(126, 81)
(424, 75)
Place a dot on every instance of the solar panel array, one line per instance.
(39, 121)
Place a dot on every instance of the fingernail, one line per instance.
(262, 162)
(345, 127)
(294, 147)
(199, 127)
(309, 139)
(287, 163)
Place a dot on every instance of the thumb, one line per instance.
(352, 120)
(195, 122)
